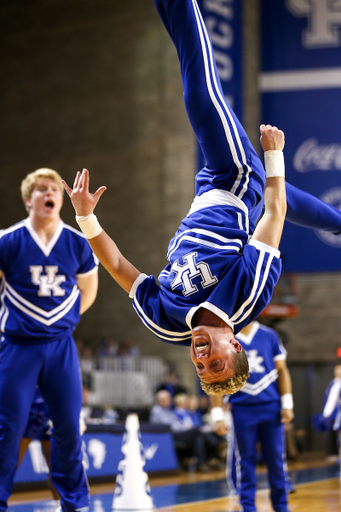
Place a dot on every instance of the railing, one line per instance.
(127, 381)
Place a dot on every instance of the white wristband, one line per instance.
(89, 225)
(217, 414)
(287, 401)
(274, 164)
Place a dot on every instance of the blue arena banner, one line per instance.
(301, 93)
(223, 21)
(102, 454)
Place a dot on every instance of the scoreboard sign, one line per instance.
(300, 83)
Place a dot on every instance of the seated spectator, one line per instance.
(108, 348)
(128, 349)
(172, 384)
(98, 415)
(216, 445)
(204, 404)
(187, 418)
(110, 416)
(87, 407)
(186, 437)
(194, 410)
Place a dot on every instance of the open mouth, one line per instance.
(201, 346)
(49, 205)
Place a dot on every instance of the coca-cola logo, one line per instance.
(312, 156)
(333, 197)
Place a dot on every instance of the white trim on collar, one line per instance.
(211, 307)
(46, 249)
(248, 339)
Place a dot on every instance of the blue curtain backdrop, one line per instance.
(223, 22)
(301, 93)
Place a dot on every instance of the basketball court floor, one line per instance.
(317, 490)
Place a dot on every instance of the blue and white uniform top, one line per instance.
(213, 264)
(40, 299)
(263, 348)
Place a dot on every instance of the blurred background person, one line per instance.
(330, 419)
(172, 383)
(189, 441)
(259, 411)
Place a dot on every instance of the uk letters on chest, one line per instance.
(46, 278)
(255, 361)
(184, 274)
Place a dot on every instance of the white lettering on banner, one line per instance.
(224, 65)
(150, 451)
(191, 269)
(38, 460)
(98, 451)
(98, 506)
(312, 156)
(324, 20)
(221, 33)
(332, 197)
(255, 361)
(221, 7)
(49, 283)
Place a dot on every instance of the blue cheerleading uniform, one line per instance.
(40, 307)
(256, 417)
(39, 421)
(213, 262)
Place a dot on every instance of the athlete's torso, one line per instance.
(211, 265)
(263, 347)
(40, 298)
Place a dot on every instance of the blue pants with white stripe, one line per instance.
(55, 368)
(253, 424)
(232, 163)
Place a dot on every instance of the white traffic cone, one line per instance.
(132, 492)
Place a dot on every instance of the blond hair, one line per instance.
(180, 399)
(31, 180)
(234, 383)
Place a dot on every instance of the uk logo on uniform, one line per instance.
(255, 361)
(188, 271)
(49, 283)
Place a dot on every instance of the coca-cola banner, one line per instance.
(223, 21)
(301, 93)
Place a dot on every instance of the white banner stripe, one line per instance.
(324, 78)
